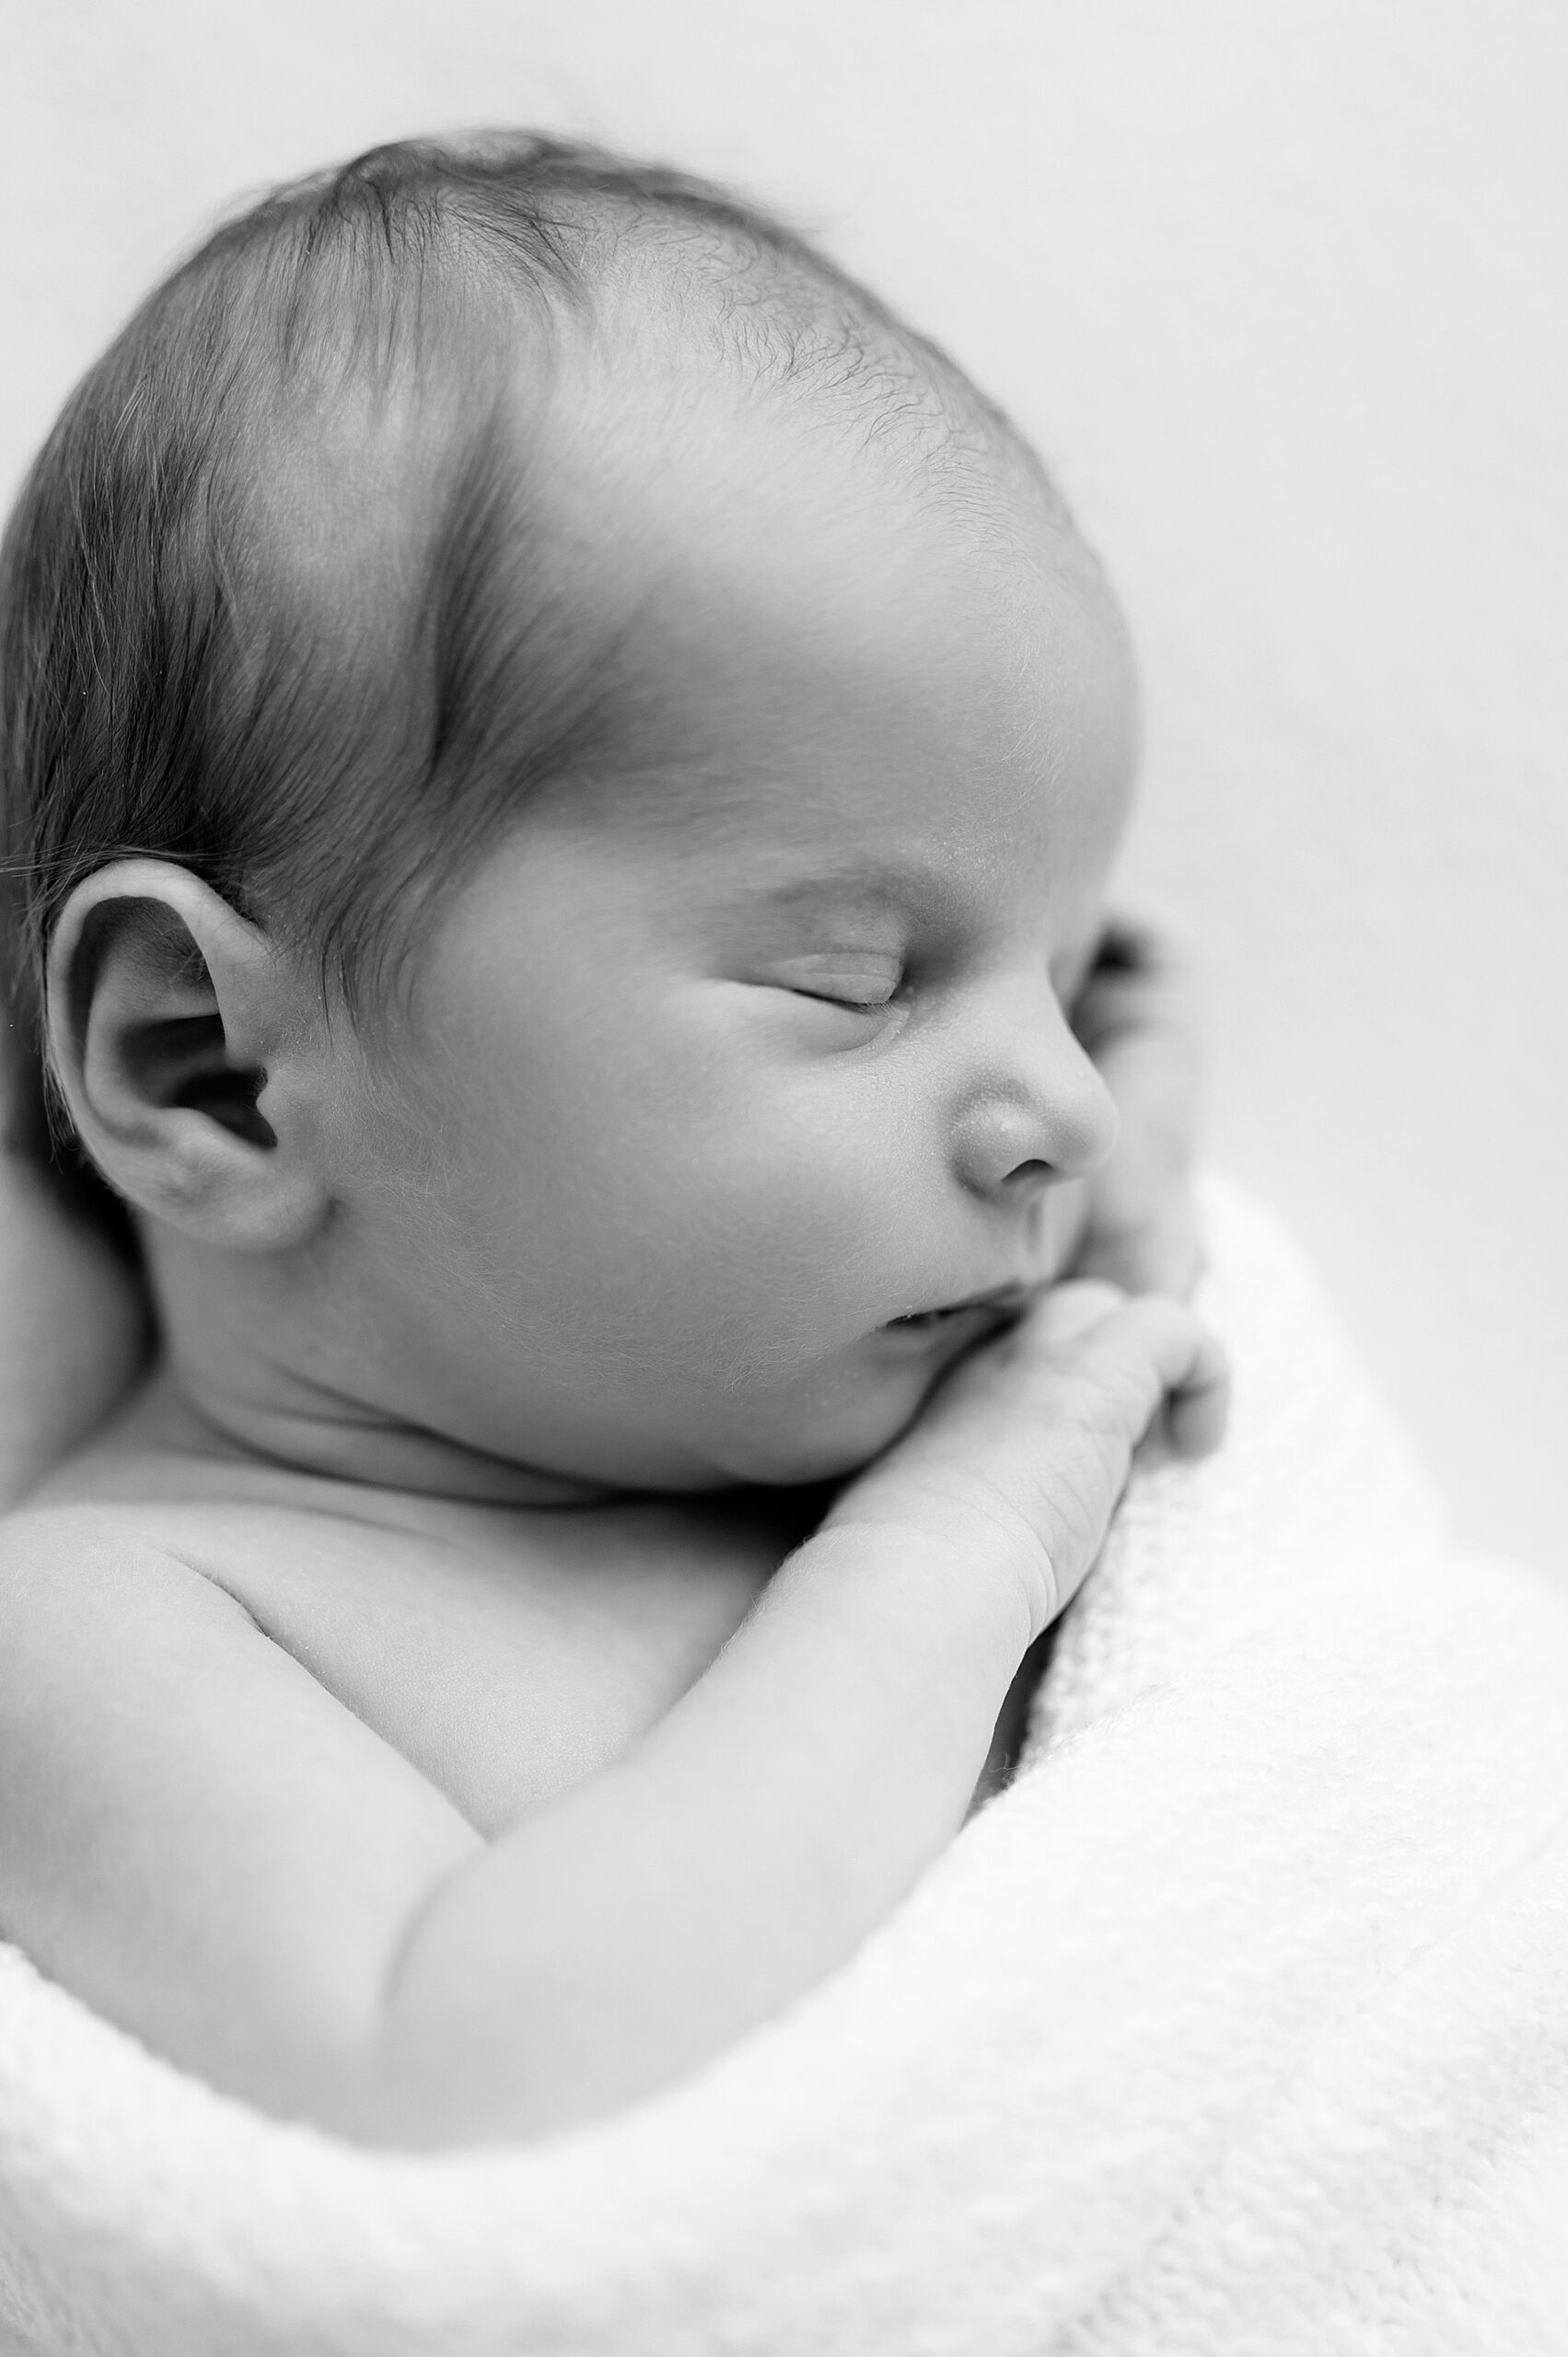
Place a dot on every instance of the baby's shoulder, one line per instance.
(49, 1549)
(85, 1588)
(66, 1564)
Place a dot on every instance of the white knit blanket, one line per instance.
(1238, 2025)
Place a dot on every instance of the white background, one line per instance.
(1280, 291)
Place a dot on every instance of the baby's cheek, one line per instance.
(792, 1265)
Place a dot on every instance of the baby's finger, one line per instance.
(1155, 1354)
(1198, 1410)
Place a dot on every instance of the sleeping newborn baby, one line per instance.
(561, 772)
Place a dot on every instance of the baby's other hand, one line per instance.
(1136, 1015)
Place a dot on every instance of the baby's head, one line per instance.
(560, 771)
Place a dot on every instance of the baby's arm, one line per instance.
(202, 1841)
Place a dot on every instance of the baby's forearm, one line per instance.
(744, 1849)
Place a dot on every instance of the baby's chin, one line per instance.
(783, 1445)
(822, 1428)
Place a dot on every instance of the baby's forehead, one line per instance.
(797, 651)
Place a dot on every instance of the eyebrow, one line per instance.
(879, 882)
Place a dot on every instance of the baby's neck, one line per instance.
(247, 1373)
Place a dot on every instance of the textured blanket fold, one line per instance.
(1239, 2024)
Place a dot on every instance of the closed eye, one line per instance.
(862, 983)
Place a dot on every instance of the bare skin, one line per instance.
(449, 1720)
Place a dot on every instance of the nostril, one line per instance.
(1032, 1174)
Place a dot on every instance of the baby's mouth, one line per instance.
(1000, 1305)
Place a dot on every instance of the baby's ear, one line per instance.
(189, 1056)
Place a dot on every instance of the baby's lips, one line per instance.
(1005, 1299)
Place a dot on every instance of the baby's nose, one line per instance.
(1045, 1115)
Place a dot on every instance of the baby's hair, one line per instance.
(273, 603)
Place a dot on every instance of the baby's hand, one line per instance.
(1136, 1017)
(1019, 1457)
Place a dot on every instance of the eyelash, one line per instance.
(839, 978)
(851, 1005)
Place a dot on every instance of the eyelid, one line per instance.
(867, 979)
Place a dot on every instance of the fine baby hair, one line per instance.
(281, 598)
